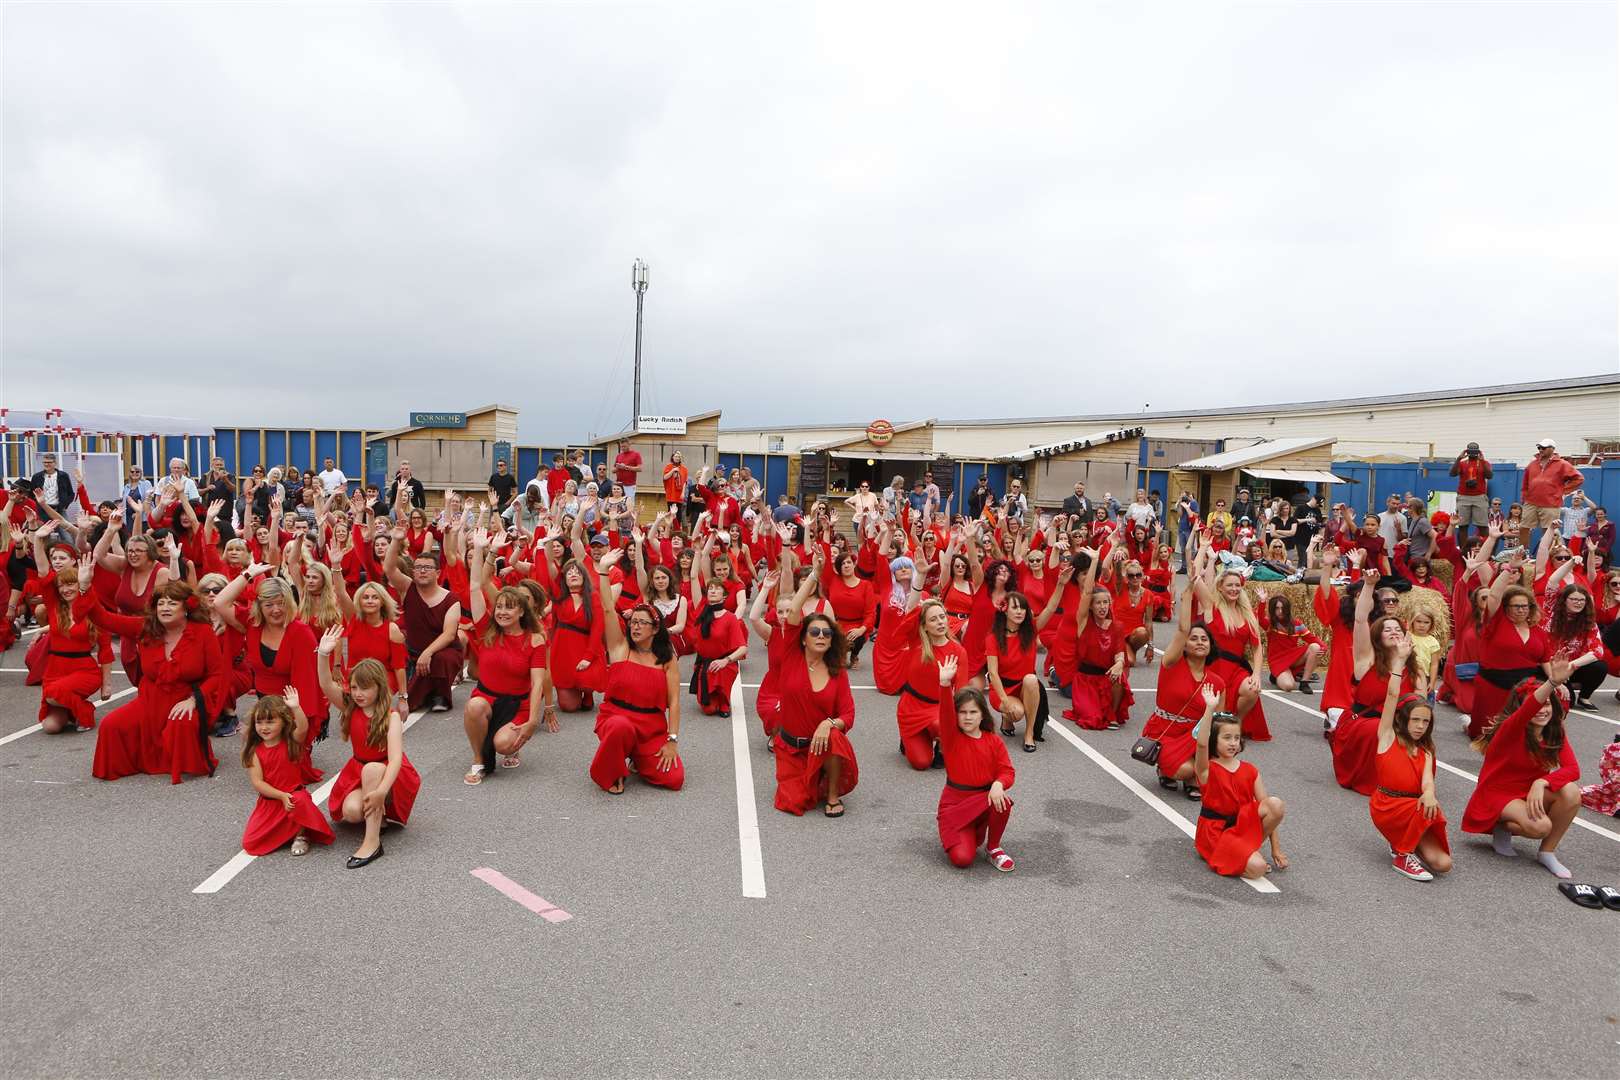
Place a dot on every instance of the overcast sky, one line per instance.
(330, 215)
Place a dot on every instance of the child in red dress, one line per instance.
(973, 805)
(379, 780)
(273, 743)
(1237, 815)
(1403, 806)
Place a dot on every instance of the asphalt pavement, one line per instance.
(1110, 951)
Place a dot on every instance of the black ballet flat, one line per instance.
(355, 862)
(1166, 782)
(939, 758)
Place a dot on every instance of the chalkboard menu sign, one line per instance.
(812, 474)
(944, 470)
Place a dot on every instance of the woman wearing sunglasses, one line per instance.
(815, 762)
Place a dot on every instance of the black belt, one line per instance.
(966, 787)
(1399, 794)
(73, 655)
(1365, 711)
(503, 710)
(792, 740)
(576, 629)
(1090, 669)
(622, 704)
(1222, 654)
(1215, 815)
(1157, 588)
(918, 694)
(867, 574)
(1507, 678)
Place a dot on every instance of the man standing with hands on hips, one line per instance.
(627, 469)
(1473, 473)
(1547, 479)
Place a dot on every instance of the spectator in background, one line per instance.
(578, 471)
(178, 481)
(1112, 506)
(1392, 523)
(603, 482)
(293, 481)
(1309, 518)
(1243, 507)
(557, 478)
(220, 486)
(1078, 505)
(402, 476)
(980, 495)
(627, 470)
(675, 474)
(1600, 534)
(331, 477)
(1141, 511)
(136, 487)
(1222, 517)
(1472, 472)
(1572, 520)
(503, 484)
(1017, 502)
(52, 487)
(1495, 517)
(931, 494)
(1419, 531)
(374, 499)
(918, 499)
(1547, 479)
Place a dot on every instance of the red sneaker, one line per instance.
(1410, 866)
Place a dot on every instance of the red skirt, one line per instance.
(1289, 654)
(35, 659)
(1226, 848)
(1355, 754)
(1176, 747)
(401, 797)
(801, 782)
(71, 683)
(1402, 822)
(271, 825)
(1093, 706)
(960, 811)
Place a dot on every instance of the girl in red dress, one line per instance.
(505, 709)
(1292, 651)
(1239, 647)
(663, 593)
(1512, 646)
(1010, 650)
(1102, 699)
(1188, 691)
(853, 603)
(973, 805)
(284, 812)
(1237, 815)
(1403, 806)
(927, 628)
(75, 650)
(1374, 664)
(164, 731)
(1334, 613)
(378, 781)
(640, 717)
(1529, 783)
(815, 763)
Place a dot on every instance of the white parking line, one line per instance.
(755, 686)
(238, 862)
(1594, 716)
(1058, 724)
(15, 735)
(748, 849)
(1471, 778)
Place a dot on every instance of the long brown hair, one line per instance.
(1026, 629)
(69, 575)
(270, 705)
(369, 672)
(1565, 627)
(1403, 724)
(1375, 630)
(528, 621)
(837, 651)
(1544, 749)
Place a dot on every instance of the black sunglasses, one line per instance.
(819, 631)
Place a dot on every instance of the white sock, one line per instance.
(1502, 841)
(1333, 718)
(1550, 861)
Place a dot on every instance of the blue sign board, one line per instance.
(503, 452)
(439, 419)
(377, 463)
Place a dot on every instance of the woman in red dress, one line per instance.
(640, 717)
(662, 592)
(284, 812)
(768, 702)
(378, 781)
(960, 576)
(1102, 699)
(1572, 632)
(1237, 815)
(1377, 644)
(1292, 651)
(1239, 647)
(374, 634)
(927, 628)
(1188, 691)
(1010, 650)
(815, 763)
(853, 603)
(164, 731)
(232, 647)
(1403, 806)
(1334, 613)
(280, 649)
(60, 557)
(1512, 646)
(721, 643)
(1132, 606)
(505, 709)
(139, 576)
(74, 650)
(973, 805)
(896, 582)
(999, 580)
(1468, 607)
(1528, 785)
(1160, 575)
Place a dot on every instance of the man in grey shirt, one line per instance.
(1392, 524)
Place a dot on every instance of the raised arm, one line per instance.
(1200, 734)
(807, 588)
(396, 577)
(1361, 633)
(1082, 615)
(1184, 620)
(612, 632)
(323, 665)
(1392, 699)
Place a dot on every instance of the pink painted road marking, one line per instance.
(513, 891)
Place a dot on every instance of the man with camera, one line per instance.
(1473, 474)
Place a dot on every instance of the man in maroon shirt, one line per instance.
(1547, 479)
(626, 468)
(1473, 473)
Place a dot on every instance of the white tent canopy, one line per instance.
(77, 422)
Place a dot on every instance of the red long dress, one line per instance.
(768, 702)
(980, 620)
(506, 669)
(72, 669)
(401, 797)
(1505, 660)
(1229, 828)
(853, 606)
(575, 640)
(1130, 615)
(958, 607)
(1510, 769)
(1394, 805)
(1355, 737)
(139, 737)
(972, 763)
(633, 723)
(1464, 650)
(917, 711)
(271, 825)
(1286, 646)
(712, 685)
(801, 782)
(133, 603)
(1337, 692)
(896, 632)
(1013, 663)
(422, 626)
(1178, 704)
(1234, 641)
(1093, 689)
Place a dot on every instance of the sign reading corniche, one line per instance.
(439, 419)
(661, 425)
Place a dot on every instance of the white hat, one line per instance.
(1546, 444)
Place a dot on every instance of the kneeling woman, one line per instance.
(973, 806)
(1527, 786)
(815, 762)
(183, 677)
(1009, 654)
(504, 712)
(1403, 805)
(721, 642)
(1237, 815)
(1188, 691)
(379, 780)
(75, 652)
(640, 719)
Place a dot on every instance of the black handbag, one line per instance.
(1146, 750)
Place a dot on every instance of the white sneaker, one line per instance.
(1410, 866)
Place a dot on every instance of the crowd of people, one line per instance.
(304, 595)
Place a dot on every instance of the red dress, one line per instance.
(1130, 615)
(401, 797)
(633, 723)
(972, 763)
(139, 737)
(980, 620)
(271, 825)
(1013, 663)
(72, 669)
(1510, 769)
(1229, 829)
(1464, 650)
(133, 603)
(917, 711)
(767, 703)
(896, 633)
(362, 641)
(958, 607)
(1394, 804)
(1178, 704)
(577, 639)
(1232, 643)
(1505, 660)
(1337, 690)
(1355, 738)
(1037, 590)
(422, 626)
(1158, 587)
(1286, 646)
(712, 685)
(853, 606)
(801, 782)
(1093, 688)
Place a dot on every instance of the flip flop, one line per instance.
(1030, 748)
(1584, 895)
(475, 775)
(834, 810)
(510, 761)
(1610, 897)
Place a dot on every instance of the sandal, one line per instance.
(1030, 748)
(510, 761)
(1192, 791)
(475, 775)
(1166, 782)
(1584, 895)
(834, 808)
(300, 846)
(617, 787)
(1610, 897)
(1001, 860)
(1008, 729)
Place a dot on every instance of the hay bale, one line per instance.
(1301, 596)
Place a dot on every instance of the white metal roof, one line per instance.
(76, 421)
(1264, 450)
(1096, 438)
(1301, 476)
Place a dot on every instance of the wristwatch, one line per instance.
(673, 736)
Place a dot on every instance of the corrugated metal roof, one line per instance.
(1264, 450)
(1302, 476)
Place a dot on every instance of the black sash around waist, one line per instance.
(1507, 678)
(620, 703)
(792, 740)
(73, 655)
(1234, 658)
(1157, 588)
(571, 626)
(1216, 815)
(952, 784)
(1090, 669)
(918, 694)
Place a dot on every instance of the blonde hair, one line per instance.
(370, 673)
(387, 610)
(272, 588)
(922, 626)
(1243, 610)
(319, 610)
